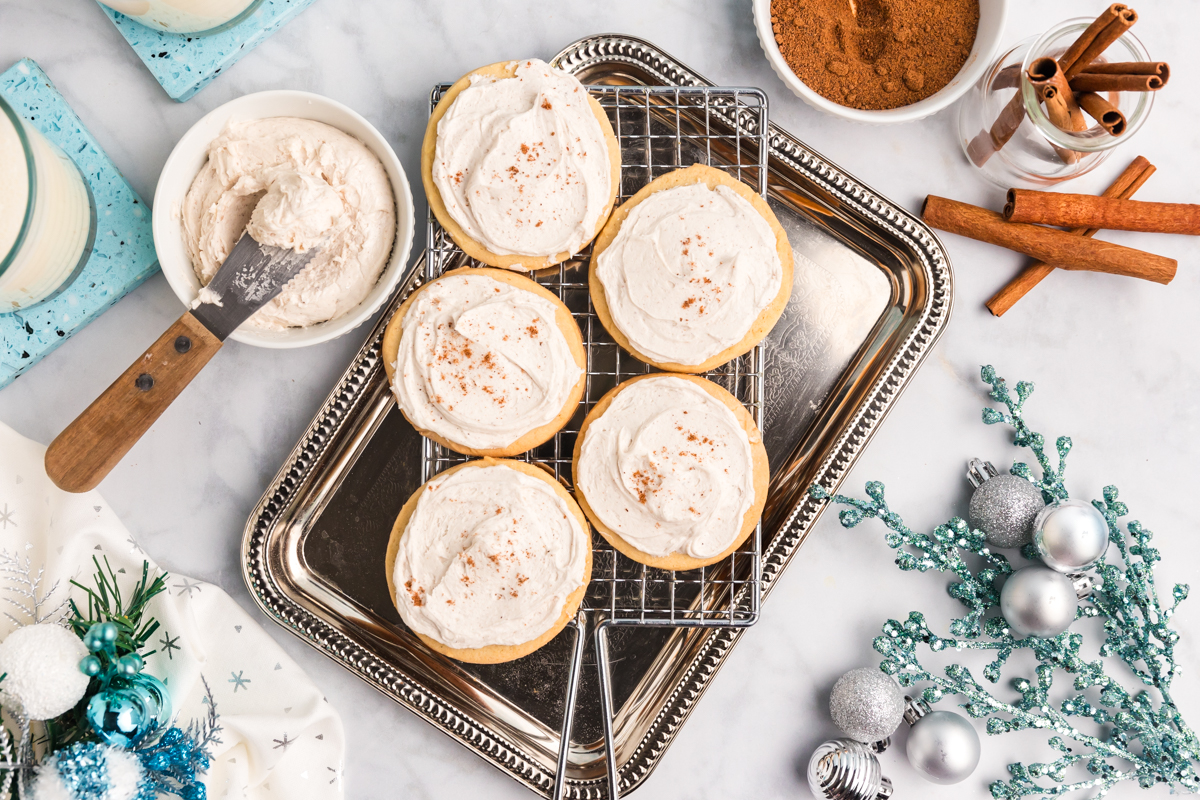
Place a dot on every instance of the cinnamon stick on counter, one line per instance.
(1125, 185)
(1106, 29)
(1114, 82)
(1111, 213)
(1055, 247)
(1104, 112)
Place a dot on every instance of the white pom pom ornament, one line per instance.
(41, 667)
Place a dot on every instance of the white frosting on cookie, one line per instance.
(689, 272)
(489, 557)
(482, 363)
(522, 163)
(244, 162)
(668, 468)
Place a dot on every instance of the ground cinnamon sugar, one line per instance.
(875, 54)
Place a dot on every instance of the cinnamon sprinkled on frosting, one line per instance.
(489, 557)
(689, 272)
(481, 363)
(522, 164)
(669, 468)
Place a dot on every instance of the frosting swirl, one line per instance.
(489, 557)
(668, 468)
(296, 213)
(319, 185)
(688, 273)
(522, 163)
(481, 363)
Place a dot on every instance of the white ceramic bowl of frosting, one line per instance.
(189, 156)
(992, 14)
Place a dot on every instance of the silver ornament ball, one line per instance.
(843, 769)
(1003, 506)
(1070, 535)
(943, 747)
(1037, 601)
(866, 704)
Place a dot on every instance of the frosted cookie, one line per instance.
(692, 271)
(671, 470)
(489, 560)
(485, 362)
(520, 165)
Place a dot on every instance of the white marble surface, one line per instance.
(1115, 361)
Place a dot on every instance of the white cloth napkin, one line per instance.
(280, 738)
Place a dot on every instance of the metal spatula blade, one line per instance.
(99, 438)
(251, 277)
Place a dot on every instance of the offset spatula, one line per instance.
(91, 446)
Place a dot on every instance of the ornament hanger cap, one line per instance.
(914, 709)
(979, 471)
(1084, 584)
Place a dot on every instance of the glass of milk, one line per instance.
(47, 217)
(194, 17)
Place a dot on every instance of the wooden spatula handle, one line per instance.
(79, 457)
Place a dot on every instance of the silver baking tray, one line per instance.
(872, 293)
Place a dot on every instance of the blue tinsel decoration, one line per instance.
(176, 760)
(85, 772)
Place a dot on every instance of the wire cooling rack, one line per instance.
(659, 129)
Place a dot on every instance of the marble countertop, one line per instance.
(1115, 361)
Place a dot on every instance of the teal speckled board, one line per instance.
(123, 255)
(186, 64)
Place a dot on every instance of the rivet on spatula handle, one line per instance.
(79, 458)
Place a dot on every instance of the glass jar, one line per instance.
(193, 17)
(47, 217)
(1038, 153)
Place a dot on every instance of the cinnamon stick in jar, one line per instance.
(992, 140)
(1051, 85)
(1104, 112)
(1126, 184)
(1109, 213)
(1108, 27)
(1007, 78)
(1061, 109)
(1055, 247)
(1114, 82)
(1160, 69)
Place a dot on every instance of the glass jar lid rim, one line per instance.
(7, 111)
(1037, 48)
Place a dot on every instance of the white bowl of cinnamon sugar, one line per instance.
(879, 61)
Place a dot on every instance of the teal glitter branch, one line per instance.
(1051, 482)
(1141, 739)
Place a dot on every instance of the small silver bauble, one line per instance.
(1002, 506)
(1070, 535)
(843, 769)
(1037, 601)
(943, 747)
(866, 704)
